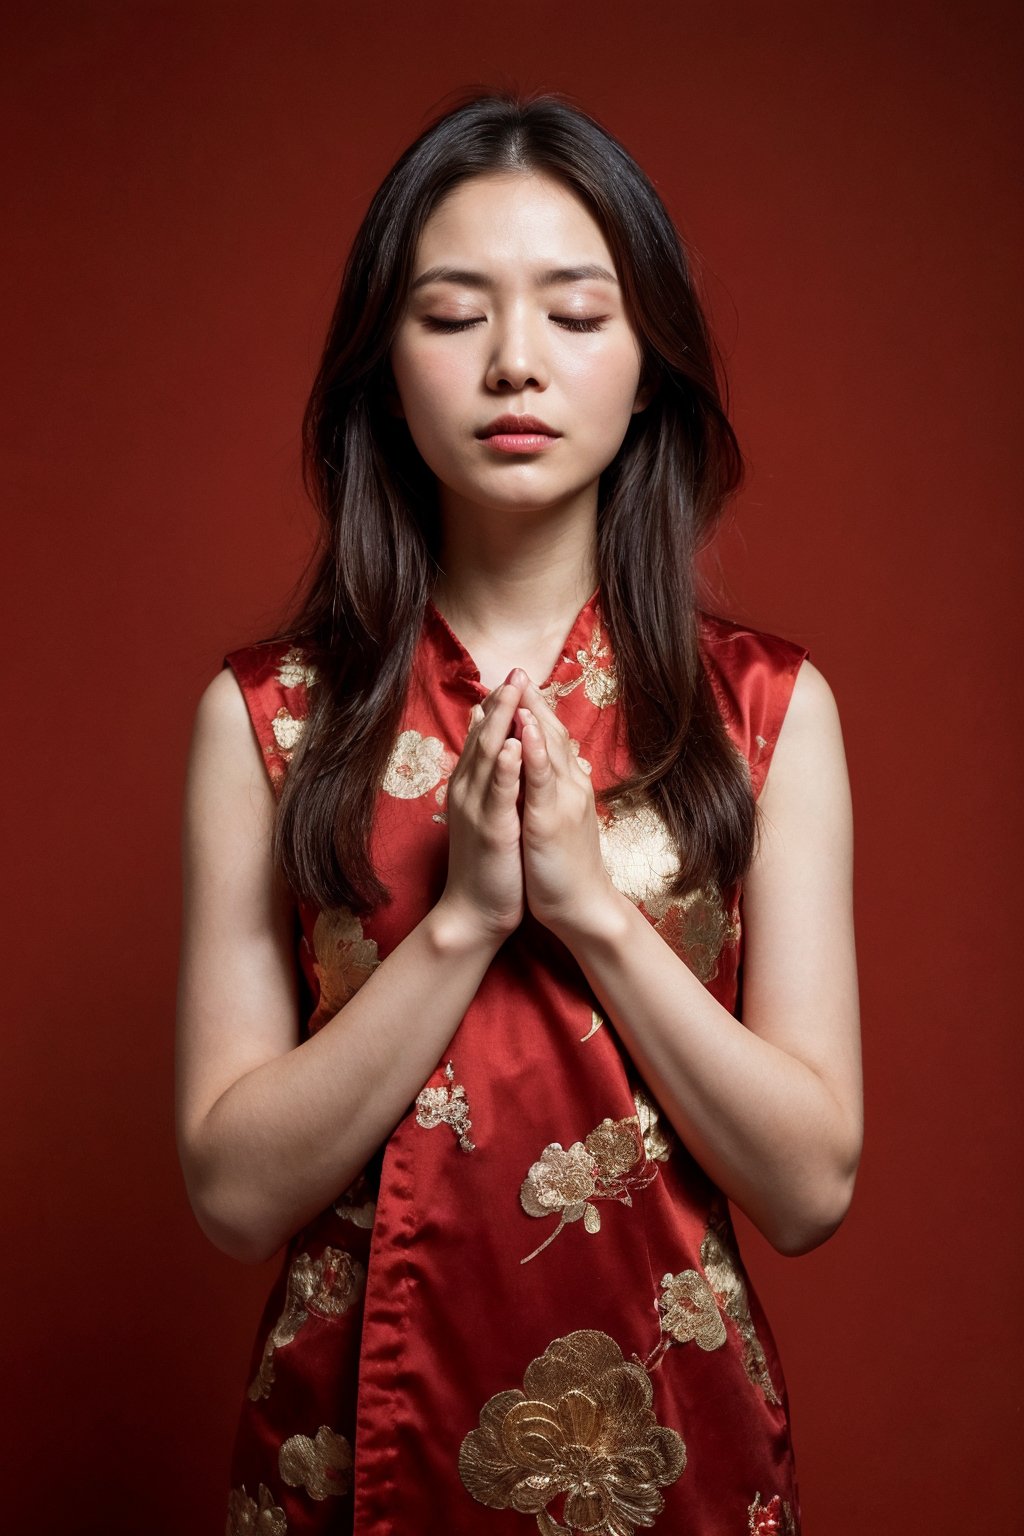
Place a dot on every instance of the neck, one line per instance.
(515, 575)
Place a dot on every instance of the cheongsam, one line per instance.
(528, 1313)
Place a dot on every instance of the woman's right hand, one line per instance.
(485, 867)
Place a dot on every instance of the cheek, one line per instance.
(426, 379)
(607, 383)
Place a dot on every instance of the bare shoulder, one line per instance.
(225, 754)
(809, 761)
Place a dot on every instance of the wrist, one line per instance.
(599, 921)
(457, 930)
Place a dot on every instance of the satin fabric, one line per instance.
(528, 1313)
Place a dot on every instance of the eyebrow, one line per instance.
(466, 279)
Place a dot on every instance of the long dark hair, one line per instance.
(659, 502)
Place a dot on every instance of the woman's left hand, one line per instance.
(566, 881)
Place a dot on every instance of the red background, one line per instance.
(185, 179)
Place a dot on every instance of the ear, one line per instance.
(644, 395)
(645, 391)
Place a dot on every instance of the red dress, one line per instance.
(528, 1313)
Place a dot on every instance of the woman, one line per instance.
(477, 855)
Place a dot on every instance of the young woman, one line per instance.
(518, 930)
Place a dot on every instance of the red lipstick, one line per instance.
(518, 434)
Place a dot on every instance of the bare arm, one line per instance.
(270, 1131)
(770, 1107)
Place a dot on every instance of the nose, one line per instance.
(518, 360)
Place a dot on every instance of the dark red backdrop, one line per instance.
(185, 179)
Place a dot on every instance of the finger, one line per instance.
(482, 748)
(504, 781)
(537, 764)
(554, 732)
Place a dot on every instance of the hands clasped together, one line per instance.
(522, 822)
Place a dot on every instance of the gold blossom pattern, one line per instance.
(344, 957)
(582, 1429)
(326, 1287)
(322, 1466)
(600, 683)
(723, 1270)
(642, 861)
(689, 1311)
(772, 1519)
(658, 1138)
(609, 1165)
(417, 765)
(247, 1517)
(446, 1104)
(294, 671)
(287, 731)
(697, 926)
(357, 1204)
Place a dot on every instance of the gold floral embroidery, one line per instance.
(772, 1519)
(322, 1466)
(689, 1314)
(582, 1429)
(247, 1518)
(294, 671)
(658, 1139)
(446, 1106)
(595, 1024)
(417, 765)
(584, 764)
(326, 1287)
(345, 958)
(609, 1165)
(639, 855)
(724, 1275)
(698, 927)
(287, 731)
(357, 1204)
(600, 684)
(642, 861)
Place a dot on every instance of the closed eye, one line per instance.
(567, 322)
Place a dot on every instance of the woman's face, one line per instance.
(515, 311)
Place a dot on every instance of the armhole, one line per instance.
(765, 735)
(277, 713)
(751, 674)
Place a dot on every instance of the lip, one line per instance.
(517, 426)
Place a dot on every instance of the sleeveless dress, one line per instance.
(528, 1313)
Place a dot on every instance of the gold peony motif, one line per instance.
(724, 1274)
(639, 855)
(772, 1519)
(294, 671)
(608, 1165)
(287, 731)
(642, 861)
(581, 1430)
(658, 1138)
(698, 927)
(689, 1311)
(344, 958)
(417, 765)
(446, 1105)
(326, 1287)
(357, 1204)
(322, 1466)
(600, 684)
(246, 1517)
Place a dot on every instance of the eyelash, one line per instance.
(450, 327)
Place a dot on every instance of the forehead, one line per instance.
(511, 219)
